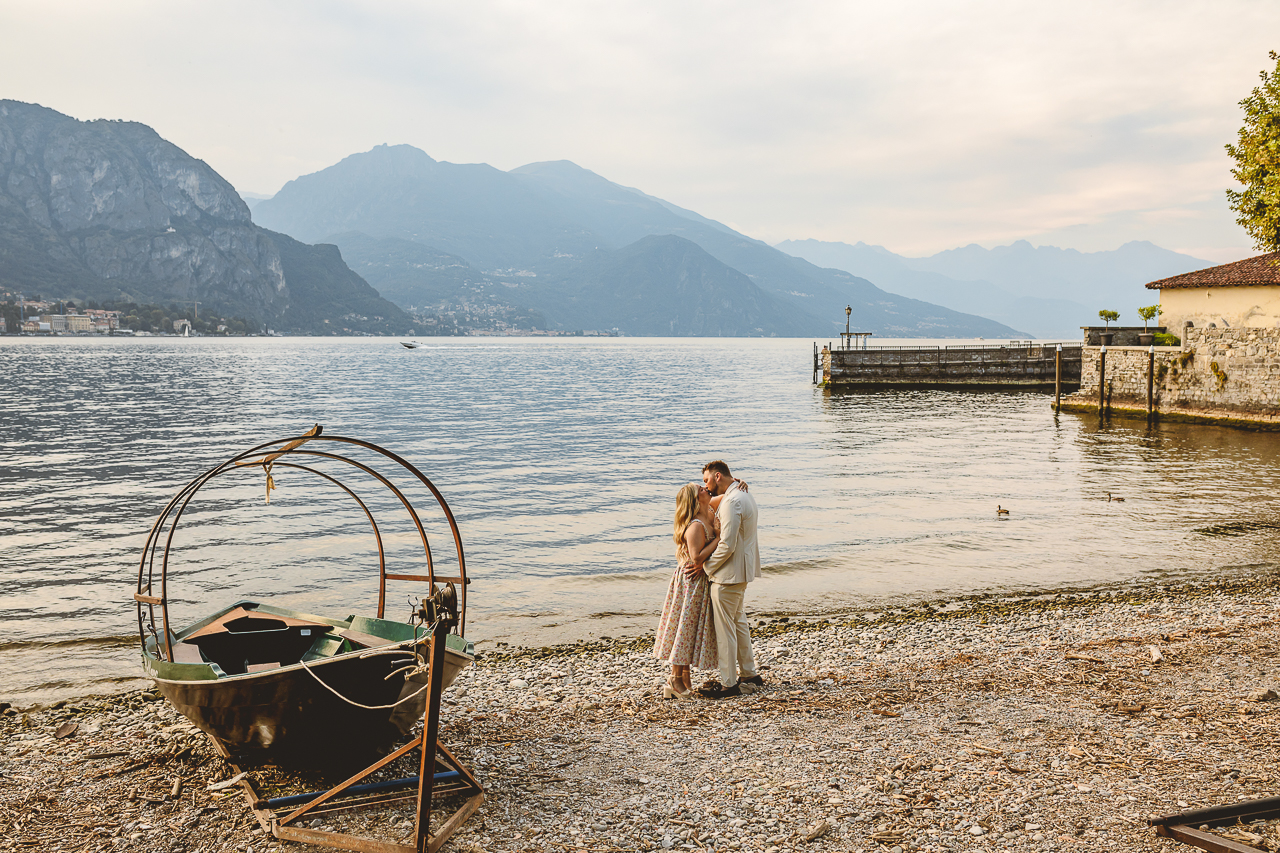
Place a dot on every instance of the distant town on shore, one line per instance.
(52, 317)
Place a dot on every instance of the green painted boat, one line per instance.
(257, 676)
(254, 676)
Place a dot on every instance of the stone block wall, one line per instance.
(1217, 374)
(1030, 366)
(1121, 336)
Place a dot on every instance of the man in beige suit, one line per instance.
(734, 564)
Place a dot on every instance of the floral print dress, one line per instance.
(686, 634)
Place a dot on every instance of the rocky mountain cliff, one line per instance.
(109, 210)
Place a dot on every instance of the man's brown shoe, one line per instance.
(755, 679)
(716, 691)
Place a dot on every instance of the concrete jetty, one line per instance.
(1023, 365)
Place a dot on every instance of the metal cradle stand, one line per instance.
(1185, 826)
(439, 774)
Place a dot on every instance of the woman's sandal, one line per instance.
(671, 691)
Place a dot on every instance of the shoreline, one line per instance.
(780, 621)
(1053, 722)
(978, 604)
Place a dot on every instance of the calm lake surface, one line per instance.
(560, 459)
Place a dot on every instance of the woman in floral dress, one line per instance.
(686, 635)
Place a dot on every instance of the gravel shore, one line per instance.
(1051, 722)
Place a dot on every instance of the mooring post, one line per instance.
(1151, 382)
(1102, 381)
(1057, 380)
(815, 362)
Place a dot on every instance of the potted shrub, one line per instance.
(1147, 314)
(1107, 317)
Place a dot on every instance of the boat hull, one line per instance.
(305, 707)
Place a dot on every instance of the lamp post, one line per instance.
(848, 313)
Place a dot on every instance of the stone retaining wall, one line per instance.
(974, 366)
(1217, 374)
(1121, 336)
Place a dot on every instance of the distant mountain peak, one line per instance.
(400, 150)
(563, 167)
(385, 162)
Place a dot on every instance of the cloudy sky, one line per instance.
(919, 125)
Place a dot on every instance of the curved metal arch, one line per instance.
(382, 582)
(377, 534)
(264, 455)
(413, 513)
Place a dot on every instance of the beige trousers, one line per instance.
(733, 634)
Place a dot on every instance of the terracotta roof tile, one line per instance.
(1263, 269)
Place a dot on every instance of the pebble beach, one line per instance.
(1060, 721)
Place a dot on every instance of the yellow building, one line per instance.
(78, 323)
(1244, 294)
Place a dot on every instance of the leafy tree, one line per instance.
(1257, 156)
(1148, 314)
(12, 317)
(1108, 317)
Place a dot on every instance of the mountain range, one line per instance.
(1048, 291)
(560, 241)
(110, 211)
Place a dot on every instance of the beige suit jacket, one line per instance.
(737, 557)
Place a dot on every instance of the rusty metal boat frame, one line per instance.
(267, 455)
(1185, 826)
(436, 638)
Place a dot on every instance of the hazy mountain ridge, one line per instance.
(545, 231)
(624, 214)
(1047, 290)
(109, 210)
(666, 285)
(474, 210)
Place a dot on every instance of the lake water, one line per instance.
(560, 459)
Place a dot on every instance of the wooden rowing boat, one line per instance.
(258, 676)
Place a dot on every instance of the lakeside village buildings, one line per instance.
(90, 321)
(39, 320)
(1226, 367)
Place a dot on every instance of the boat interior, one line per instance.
(250, 638)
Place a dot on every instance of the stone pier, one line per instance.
(1020, 366)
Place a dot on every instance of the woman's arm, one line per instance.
(699, 547)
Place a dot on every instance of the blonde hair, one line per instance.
(686, 510)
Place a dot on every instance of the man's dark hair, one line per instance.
(718, 467)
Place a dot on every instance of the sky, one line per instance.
(919, 125)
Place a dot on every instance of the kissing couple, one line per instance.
(704, 621)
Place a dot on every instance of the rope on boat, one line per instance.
(413, 669)
(397, 703)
